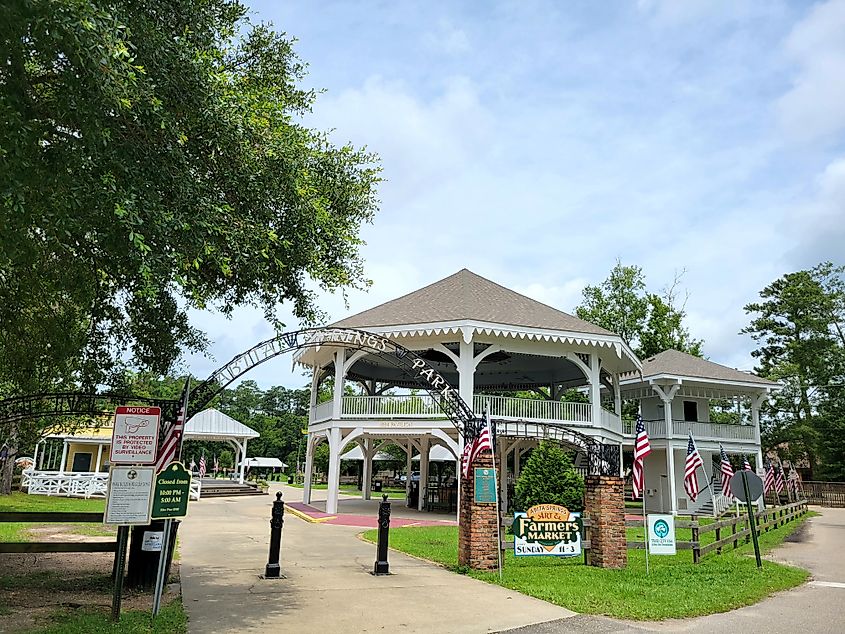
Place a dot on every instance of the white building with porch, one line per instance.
(539, 373)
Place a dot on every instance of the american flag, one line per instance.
(778, 479)
(484, 440)
(216, 465)
(172, 441)
(694, 461)
(727, 472)
(769, 479)
(202, 465)
(746, 466)
(642, 448)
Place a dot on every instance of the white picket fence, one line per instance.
(84, 484)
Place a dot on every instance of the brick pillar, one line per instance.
(604, 504)
(478, 534)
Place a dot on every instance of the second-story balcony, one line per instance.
(700, 431)
(422, 406)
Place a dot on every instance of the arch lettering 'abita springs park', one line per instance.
(412, 364)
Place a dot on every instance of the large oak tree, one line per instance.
(154, 159)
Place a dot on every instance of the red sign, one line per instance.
(135, 435)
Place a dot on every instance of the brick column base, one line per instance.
(478, 532)
(604, 504)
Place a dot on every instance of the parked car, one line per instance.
(415, 477)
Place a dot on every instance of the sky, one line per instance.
(536, 143)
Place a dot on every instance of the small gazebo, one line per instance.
(212, 424)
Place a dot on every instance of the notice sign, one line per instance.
(661, 534)
(547, 529)
(135, 436)
(485, 486)
(173, 487)
(129, 495)
(152, 541)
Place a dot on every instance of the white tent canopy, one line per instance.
(264, 463)
(212, 424)
(358, 454)
(438, 453)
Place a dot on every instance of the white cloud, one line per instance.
(814, 107)
(446, 38)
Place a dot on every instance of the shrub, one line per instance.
(549, 477)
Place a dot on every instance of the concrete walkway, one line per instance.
(817, 607)
(224, 546)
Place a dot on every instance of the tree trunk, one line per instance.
(9, 465)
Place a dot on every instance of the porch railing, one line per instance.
(404, 406)
(680, 428)
(85, 484)
(533, 409)
(323, 411)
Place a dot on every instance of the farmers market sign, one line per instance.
(547, 529)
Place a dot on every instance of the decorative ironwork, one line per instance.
(420, 373)
(75, 404)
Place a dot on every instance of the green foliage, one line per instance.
(549, 477)
(649, 322)
(798, 328)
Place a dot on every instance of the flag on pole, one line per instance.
(693, 462)
(746, 466)
(642, 447)
(769, 479)
(192, 465)
(778, 479)
(216, 465)
(727, 472)
(482, 442)
(172, 443)
(202, 465)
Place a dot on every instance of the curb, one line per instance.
(308, 518)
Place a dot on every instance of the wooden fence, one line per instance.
(734, 529)
(55, 547)
(825, 493)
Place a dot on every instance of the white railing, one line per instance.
(78, 484)
(654, 428)
(611, 421)
(721, 503)
(196, 489)
(718, 431)
(533, 409)
(404, 406)
(323, 411)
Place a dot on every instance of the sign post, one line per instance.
(135, 435)
(661, 534)
(747, 486)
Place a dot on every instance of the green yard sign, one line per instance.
(485, 486)
(172, 490)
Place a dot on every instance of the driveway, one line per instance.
(328, 586)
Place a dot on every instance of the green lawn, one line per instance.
(17, 501)
(675, 587)
(171, 620)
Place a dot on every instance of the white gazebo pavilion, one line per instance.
(212, 424)
(487, 342)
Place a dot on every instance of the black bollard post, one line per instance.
(382, 567)
(272, 570)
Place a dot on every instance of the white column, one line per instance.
(337, 400)
(595, 389)
(313, 401)
(367, 483)
(99, 458)
(409, 467)
(64, 457)
(309, 468)
(35, 456)
(756, 404)
(243, 463)
(424, 447)
(466, 387)
(667, 395)
(617, 396)
(334, 470)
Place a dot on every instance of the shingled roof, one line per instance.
(470, 297)
(676, 363)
